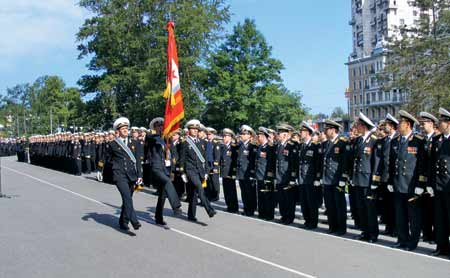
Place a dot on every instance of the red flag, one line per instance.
(174, 112)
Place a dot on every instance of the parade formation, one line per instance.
(395, 172)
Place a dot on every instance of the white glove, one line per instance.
(316, 183)
(342, 183)
(167, 163)
(292, 183)
(373, 187)
(390, 188)
(321, 181)
(430, 191)
(184, 178)
(418, 191)
(206, 177)
(139, 181)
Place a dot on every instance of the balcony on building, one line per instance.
(391, 5)
(352, 21)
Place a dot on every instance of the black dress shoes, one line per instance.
(136, 225)
(160, 222)
(192, 218)
(439, 252)
(123, 227)
(178, 212)
(399, 246)
(212, 213)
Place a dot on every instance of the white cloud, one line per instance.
(38, 27)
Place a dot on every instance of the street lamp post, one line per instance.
(1, 192)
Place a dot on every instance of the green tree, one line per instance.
(126, 41)
(418, 61)
(338, 112)
(244, 85)
(26, 109)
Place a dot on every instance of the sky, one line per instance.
(311, 38)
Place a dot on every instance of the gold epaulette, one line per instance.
(343, 138)
(374, 137)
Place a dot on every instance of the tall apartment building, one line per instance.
(373, 21)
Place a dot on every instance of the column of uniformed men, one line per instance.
(396, 172)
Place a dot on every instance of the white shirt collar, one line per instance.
(407, 136)
(309, 141)
(366, 136)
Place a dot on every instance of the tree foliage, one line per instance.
(418, 61)
(244, 85)
(29, 108)
(126, 41)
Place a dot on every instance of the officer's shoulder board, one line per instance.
(418, 136)
(374, 137)
(343, 138)
(315, 143)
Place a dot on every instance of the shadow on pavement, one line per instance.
(106, 220)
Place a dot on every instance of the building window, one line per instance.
(387, 96)
(354, 85)
(380, 96)
(354, 100)
(373, 97)
(360, 84)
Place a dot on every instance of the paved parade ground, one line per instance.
(58, 225)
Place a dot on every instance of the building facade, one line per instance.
(372, 22)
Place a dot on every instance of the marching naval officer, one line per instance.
(126, 172)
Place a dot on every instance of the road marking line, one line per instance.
(298, 229)
(299, 273)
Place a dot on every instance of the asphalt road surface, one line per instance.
(58, 225)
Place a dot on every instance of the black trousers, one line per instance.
(408, 218)
(353, 206)
(87, 165)
(230, 194)
(287, 196)
(76, 166)
(126, 188)
(308, 202)
(167, 190)
(336, 209)
(428, 218)
(179, 185)
(146, 173)
(248, 195)
(213, 188)
(442, 220)
(367, 211)
(196, 191)
(266, 200)
(388, 209)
